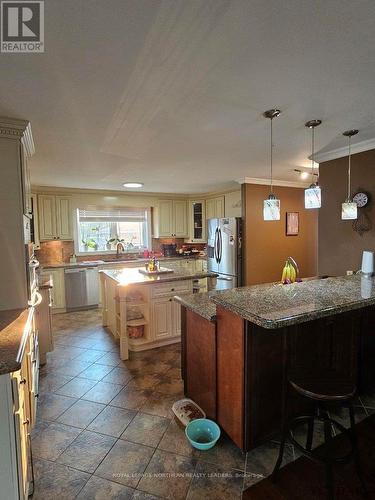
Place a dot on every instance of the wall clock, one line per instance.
(361, 199)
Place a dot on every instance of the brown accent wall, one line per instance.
(340, 247)
(266, 246)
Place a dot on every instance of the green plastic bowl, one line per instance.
(202, 433)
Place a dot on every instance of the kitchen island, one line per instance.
(139, 309)
(265, 333)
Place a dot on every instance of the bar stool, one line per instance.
(321, 394)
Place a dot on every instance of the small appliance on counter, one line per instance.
(367, 268)
(169, 250)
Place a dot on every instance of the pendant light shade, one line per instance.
(271, 206)
(313, 194)
(349, 209)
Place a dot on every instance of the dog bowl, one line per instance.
(202, 433)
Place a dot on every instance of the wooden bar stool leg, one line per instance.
(310, 430)
(357, 459)
(284, 432)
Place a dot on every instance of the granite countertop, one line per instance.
(132, 276)
(97, 263)
(199, 303)
(274, 305)
(13, 334)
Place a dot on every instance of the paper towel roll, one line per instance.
(367, 262)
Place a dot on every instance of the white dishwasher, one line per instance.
(81, 288)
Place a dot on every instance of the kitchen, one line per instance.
(199, 227)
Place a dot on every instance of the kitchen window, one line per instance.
(100, 229)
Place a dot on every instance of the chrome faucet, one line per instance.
(119, 249)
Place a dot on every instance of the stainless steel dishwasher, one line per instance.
(81, 288)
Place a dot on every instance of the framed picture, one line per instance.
(292, 223)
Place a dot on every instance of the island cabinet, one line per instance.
(254, 365)
(140, 311)
(198, 365)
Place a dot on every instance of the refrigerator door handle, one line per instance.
(220, 246)
(215, 246)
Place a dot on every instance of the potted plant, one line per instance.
(85, 246)
(92, 244)
(110, 243)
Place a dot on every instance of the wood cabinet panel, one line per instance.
(180, 219)
(47, 217)
(231, 374)
(200, 362)
(162, 318)
(215, 207)
(63, 218)
(165, 218)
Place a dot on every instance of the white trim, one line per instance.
(13, 128)
(275, 182)
(358, 147)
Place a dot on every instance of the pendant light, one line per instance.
(271, 206)
(349, 209)
(313, 194)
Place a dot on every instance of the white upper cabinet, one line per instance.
(180, 219)
(63, 218)
(171, 219)
(55, 217)
(215, 207)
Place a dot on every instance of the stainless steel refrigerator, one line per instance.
(224, 251)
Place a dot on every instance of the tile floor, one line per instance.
(105, 428)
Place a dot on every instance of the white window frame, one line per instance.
(110, 252)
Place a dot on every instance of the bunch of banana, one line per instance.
(289, 273)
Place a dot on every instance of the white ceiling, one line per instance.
(171, 92)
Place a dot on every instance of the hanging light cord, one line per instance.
(312, 154)
(271, 161)
(349, 168)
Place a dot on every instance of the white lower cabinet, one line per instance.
(176, 319)
(18, 396)
(58, 290)
(161, 318)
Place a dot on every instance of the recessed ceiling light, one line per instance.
(133, 184)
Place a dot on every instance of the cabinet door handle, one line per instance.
(23, 381)
(26, 422)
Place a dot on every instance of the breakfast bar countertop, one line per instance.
(199, 303)
(275, 305)
(133, 276)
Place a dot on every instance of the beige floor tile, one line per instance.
(159, 404)
(54, 481)
(148, 381)
(175, 441)
(171, 386)
(160, 475)
(118, 375)
(146, 429)
(110, 359)
(87, 451)
(102, 392)
(125, 463)
(73, 367)
(112, 421)
(214, 483)
(81, 413)
(90, 355)
(130, 398)
(53, 405)
(96, 372)
(141, 495)
(97, 488)
(51, 381)
(53, 440)
(224, 454)
(76, 387)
